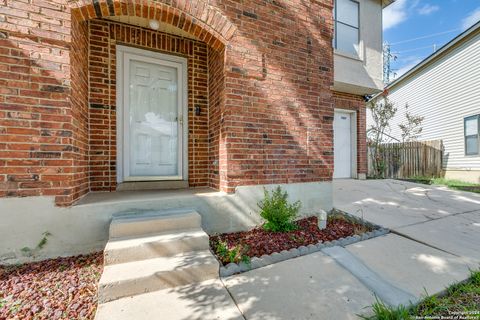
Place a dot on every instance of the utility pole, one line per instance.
(388, 57)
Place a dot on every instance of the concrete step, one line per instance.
(121, 250)
(132, 278)
(153, 222)
(208, 300)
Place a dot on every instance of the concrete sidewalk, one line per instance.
(309, 287)
(434, 243)
(341, 283)
(445, 219)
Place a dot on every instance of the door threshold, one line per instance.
(152, 185)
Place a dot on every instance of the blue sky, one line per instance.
(406, 20)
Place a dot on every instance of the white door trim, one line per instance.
(353, 129)
(123, 54)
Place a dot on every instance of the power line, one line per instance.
(433, 46)
(426, 36)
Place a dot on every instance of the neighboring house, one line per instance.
(101, 97)
(445, 90)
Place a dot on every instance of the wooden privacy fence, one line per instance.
(407, 159)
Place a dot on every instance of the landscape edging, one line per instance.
(265, 260)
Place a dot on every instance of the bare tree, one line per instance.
(382, 112)
(412, 127)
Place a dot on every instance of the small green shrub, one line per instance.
(278, 213)
(246, 259)
(231, 255)
(221, 249)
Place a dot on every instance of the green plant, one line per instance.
(475, 278)
(278, 212)
(235, 254)
(246, 259)
(384, 312)
(382, 111)
(41, 244)
(412, 127)
(221, 249)
(459, 297)
(44, 240)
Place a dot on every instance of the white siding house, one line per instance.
(445, 90)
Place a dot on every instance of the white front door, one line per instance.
(153, 116)
(342, 142)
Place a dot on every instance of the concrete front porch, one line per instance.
(83, 228)
(219, 210)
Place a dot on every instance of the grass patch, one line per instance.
(460, 301)
(383, 312)
(450, 183)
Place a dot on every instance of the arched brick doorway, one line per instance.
(198, 34)
(197, 18)
(269, 74)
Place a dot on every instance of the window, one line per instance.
(472, 133)
(347, 26)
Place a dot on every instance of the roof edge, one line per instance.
(386, 3)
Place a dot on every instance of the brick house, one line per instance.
(251, 94)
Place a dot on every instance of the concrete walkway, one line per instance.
(434, 243)
(341, 283)
(435, 215)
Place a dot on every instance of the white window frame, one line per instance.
(335, 21)
(121, 53)
(477, 116)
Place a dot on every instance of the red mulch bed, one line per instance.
(258, 242)
(62, 288)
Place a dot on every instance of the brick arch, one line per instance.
(197, 18)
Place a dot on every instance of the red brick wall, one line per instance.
(271, 102)
(40, 150)
(103, 97)
(216, 89)
(79, 109)
(278, 101)
(357, 103)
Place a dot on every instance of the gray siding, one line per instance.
(444, 92)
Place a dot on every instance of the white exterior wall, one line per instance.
(445, 91)
(83, 228)
(363, 75)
